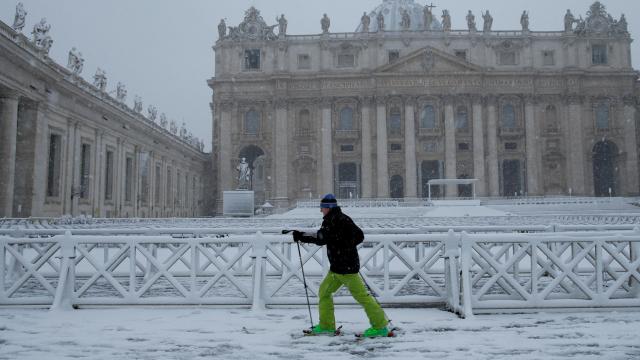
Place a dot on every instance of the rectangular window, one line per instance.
(463, 146)
(252, 59)
(304, 62)
(53, 176)
(507, 58)
(168, 196)
(158, 185)
(346, 148)
(85, 170)
(394, 55)
(461, 54)
(108, 174)
(128, 180)
(548, 58)
(346, 60)
(599, 54)
(396, 147)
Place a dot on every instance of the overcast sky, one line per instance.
(161, 49)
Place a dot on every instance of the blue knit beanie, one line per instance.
(329, 201)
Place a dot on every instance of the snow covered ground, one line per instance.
(193, 333)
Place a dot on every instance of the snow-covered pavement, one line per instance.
(193, 333)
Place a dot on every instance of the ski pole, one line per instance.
(304, 279)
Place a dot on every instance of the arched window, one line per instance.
(508, 116)
(462, 118)
(252, 122)
(395, 120)
(602, 116)
(346, 119)
(551, 118)
(428, 117)
(304, 120)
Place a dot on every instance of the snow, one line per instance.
(390, 212)
(193, 333)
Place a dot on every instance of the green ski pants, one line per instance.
(356, 286)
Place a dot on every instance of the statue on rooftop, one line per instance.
(471, 21)
(173, 127)
(524, 21)
(222, 29)
(137, 104)
(488, 22)
(183, 130)
(325, 23)
(380, 19)
(406, 20)
(121, 92)
(41, 37)
(100, 79)
(163, 121)
(153, 113)
(19, 20)
(428, 17)
(446, 20)
(282, 25)
(568, 21)
(366, 22)
(75, 62)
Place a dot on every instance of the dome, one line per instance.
(392, 11)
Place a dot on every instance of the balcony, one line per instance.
(429, 132)
(511, 131)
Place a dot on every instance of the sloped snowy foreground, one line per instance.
(194, 333)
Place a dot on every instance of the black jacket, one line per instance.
(341, 236)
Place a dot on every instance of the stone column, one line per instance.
(478, 147)
(492, 147)
(410, 164)
(135, 181)
(118, 177)
(449, 147)
(531, 145)
(98, 181)
(281, 155)
(631, 147)
(40, 159)
(576, 146)
(75, 181)
(68, 164)
(8, 133)
(326, 175)
(224, 171)
(367, 150)
(381, 149)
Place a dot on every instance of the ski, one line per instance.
(392, 333)
(309, 332)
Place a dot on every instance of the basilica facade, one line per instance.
(405, 98)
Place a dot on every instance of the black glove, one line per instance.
(297, 235)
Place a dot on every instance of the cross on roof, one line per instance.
(431, 6)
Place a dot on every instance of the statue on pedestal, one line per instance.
(244, 175)
(282, 25)
(471, 21)
(380, 19)
(41, 36)
(365, 21)
(153, 113)
(100, 79)
(524, 21)
(568, 21)
(325, 23)
(183, 131)
(121, 92)
(173, 127)
(75, 62)
(137, 104)
(222, 29)
(446, 20)
(19, 20)
(163, 121)
(428, 16)
(406, 20)
(488, 22)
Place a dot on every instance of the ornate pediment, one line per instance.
(429, 60)
(252, 28)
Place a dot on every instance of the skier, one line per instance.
(341, 236)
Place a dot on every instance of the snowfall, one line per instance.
(192, 332)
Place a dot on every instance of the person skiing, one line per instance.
(342, 236)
